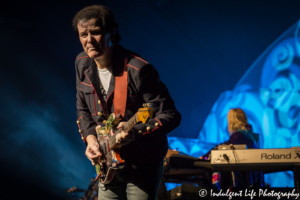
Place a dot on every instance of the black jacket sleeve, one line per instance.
(85, 122)
(167, 118)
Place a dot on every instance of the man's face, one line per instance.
(95, 42)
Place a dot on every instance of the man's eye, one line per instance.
(83, 35)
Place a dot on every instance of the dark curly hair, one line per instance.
(101, 13)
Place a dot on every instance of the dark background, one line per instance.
(200, 48)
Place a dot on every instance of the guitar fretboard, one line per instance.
(127, 126)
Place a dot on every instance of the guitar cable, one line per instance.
(239, 173)
(232, 172)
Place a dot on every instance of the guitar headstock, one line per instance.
(144, 113)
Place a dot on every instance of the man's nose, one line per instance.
(89, 38)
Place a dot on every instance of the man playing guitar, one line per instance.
(111, 79)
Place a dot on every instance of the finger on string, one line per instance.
(123, 134)
(120, 125)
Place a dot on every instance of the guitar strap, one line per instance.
(120, 95)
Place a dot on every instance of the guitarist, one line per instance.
(98, 71)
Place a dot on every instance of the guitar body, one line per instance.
(110, 159)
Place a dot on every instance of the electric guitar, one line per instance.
(110, 158)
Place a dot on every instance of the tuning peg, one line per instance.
(148, 105)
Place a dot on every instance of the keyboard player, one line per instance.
(240, 133)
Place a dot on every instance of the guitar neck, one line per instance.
(130, 123)
(127, 126)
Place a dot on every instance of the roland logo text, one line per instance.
(275, 156)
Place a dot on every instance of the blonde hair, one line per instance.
(237, 120)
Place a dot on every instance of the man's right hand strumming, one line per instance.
(92, 150)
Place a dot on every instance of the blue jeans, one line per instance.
(140, 182)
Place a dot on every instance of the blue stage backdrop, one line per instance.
(269, 94)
